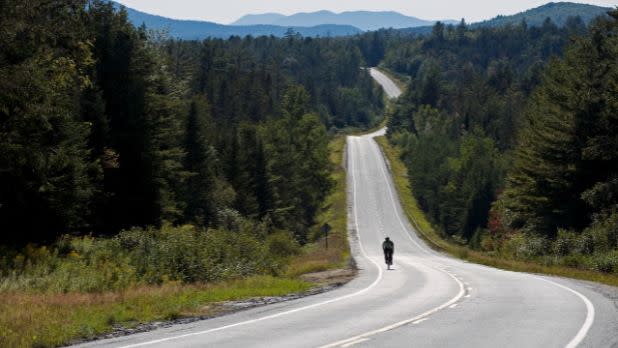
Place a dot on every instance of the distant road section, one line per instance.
(391, 89)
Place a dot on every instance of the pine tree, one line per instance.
(568, 147)
(200, 162)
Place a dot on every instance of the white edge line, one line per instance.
(363, 252)
(403, 322)
(583, 331)
(354, 342)
(459, 295)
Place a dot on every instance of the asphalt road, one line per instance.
(390, 88)
(428, 300)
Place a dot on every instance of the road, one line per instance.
(390, 88)
(428, 300)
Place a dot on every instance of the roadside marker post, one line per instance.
(325, 229)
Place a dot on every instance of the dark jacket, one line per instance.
(388, 245)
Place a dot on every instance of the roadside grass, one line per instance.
(34, 317)
(50, 320)
(430, 234)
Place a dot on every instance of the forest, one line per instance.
(130, 159)
(105, 126)
(509, 136)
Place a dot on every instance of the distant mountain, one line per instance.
(198, 30)
(559, 12)
(364, 20)
(265, 18)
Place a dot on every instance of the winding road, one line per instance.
(428, 300)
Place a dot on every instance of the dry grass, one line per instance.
(48, 320)
(435, 240)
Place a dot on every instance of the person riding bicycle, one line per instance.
(389, 248)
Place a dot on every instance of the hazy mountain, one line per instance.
(264, 18)
(559, 12)
(364, 20)
(197, 30)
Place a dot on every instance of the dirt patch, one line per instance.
(335, 277)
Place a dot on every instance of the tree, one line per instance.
(568, 150)
(47, 174)
(200, 163)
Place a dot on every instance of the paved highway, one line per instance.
(428, 300)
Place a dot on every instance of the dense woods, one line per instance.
(104, 126)
(508, 135)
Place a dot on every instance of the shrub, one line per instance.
(526, 246)
(138, 256)
(564, 243)
(282, 244)
(604, 232)
(585, 243)
(606, 263)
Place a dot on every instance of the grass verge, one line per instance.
(430, 234)
(48, 320)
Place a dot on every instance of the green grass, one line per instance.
(48, 320)
(436, 241)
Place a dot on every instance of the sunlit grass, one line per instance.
(47, 320)
(426, 231)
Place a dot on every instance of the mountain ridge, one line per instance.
(305, 23)
(364, 20)
(558, 12)
(198, 30)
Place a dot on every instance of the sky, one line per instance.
(227, 11)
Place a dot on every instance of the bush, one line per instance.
(606, 263)
(138, 256)
(604, 232)
(564, 243)
(531, 246)
(282, 244)
(585, 243)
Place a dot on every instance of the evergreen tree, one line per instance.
(566, 159)
(200, 162)
(47, 175)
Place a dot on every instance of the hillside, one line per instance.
(365, 20)
(197, 30)
(559, 12)
(253, 19)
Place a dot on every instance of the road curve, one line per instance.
(390, 88)
(428, 300)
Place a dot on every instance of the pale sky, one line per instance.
(227, 11)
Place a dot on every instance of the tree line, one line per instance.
(509, 135)
(105, 126)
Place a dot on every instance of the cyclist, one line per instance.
(389, 248)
